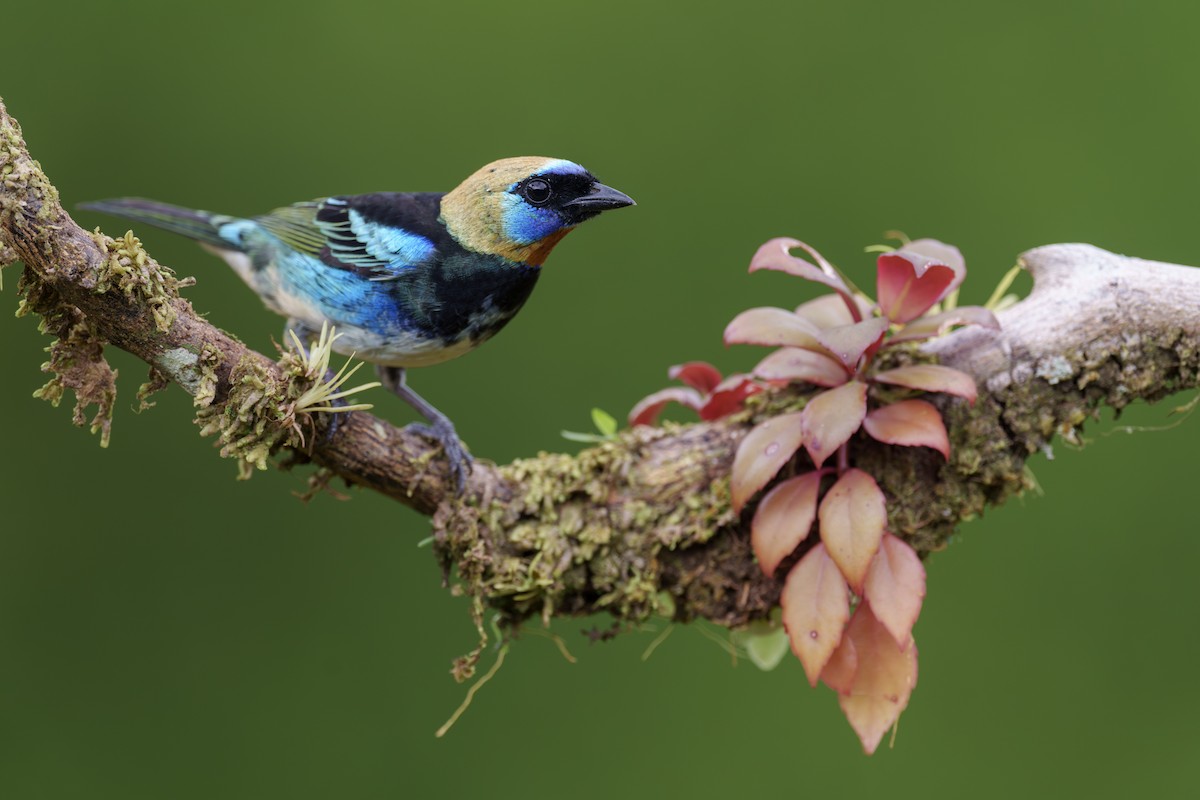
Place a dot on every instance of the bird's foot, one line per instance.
(440, 428)
(442, 431)
(333, 420)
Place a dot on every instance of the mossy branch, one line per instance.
(640, 524)
(122, 296)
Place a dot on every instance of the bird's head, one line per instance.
(519, 208)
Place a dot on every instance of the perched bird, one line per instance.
(408, 279)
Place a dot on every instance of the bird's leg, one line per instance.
(307, 334)
(440, 427)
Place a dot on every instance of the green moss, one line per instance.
(198, 371)
(155, 383)
(130, 270)
(253, 421)
(17, 170)
(260, 413)
(566, 545)
(76, 357)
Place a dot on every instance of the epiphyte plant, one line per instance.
(852, 594)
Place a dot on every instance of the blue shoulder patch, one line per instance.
(396, 247)
(385, 250)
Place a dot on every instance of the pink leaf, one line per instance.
(728, 397)
(700, 375)
(842, 665)
(937, 324)
(827, 311)
(895, 587)
(647, 410)
(930, 378)
(776, 255)
(853, 516)
(760, 455)
(832, 417)
(940, 252)
(816, 605)
(910, 423)
(794, 364)
(909, 283)
(771, 326)
(883, 681)
(849, 342)
(783, 519)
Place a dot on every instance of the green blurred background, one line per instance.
(168, 632)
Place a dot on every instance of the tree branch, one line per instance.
(640, 524)
(126, 297)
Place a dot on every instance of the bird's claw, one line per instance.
(456, 453)
(333, 419)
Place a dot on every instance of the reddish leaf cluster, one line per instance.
(850, 602)
(868, 657)
(706, 393)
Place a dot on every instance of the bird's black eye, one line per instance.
(538, 191)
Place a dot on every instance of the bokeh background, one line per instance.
(168, 632)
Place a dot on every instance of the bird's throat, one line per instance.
(537, 252)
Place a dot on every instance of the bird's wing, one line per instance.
(296, 226)
(372, 235)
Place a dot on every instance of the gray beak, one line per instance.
(601, 198)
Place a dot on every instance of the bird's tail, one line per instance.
(203, 226)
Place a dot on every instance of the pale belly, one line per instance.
(403, 350)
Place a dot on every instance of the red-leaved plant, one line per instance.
(706, 393)
(850, 602)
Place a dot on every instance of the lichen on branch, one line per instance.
(76, 357)
(570, 535)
